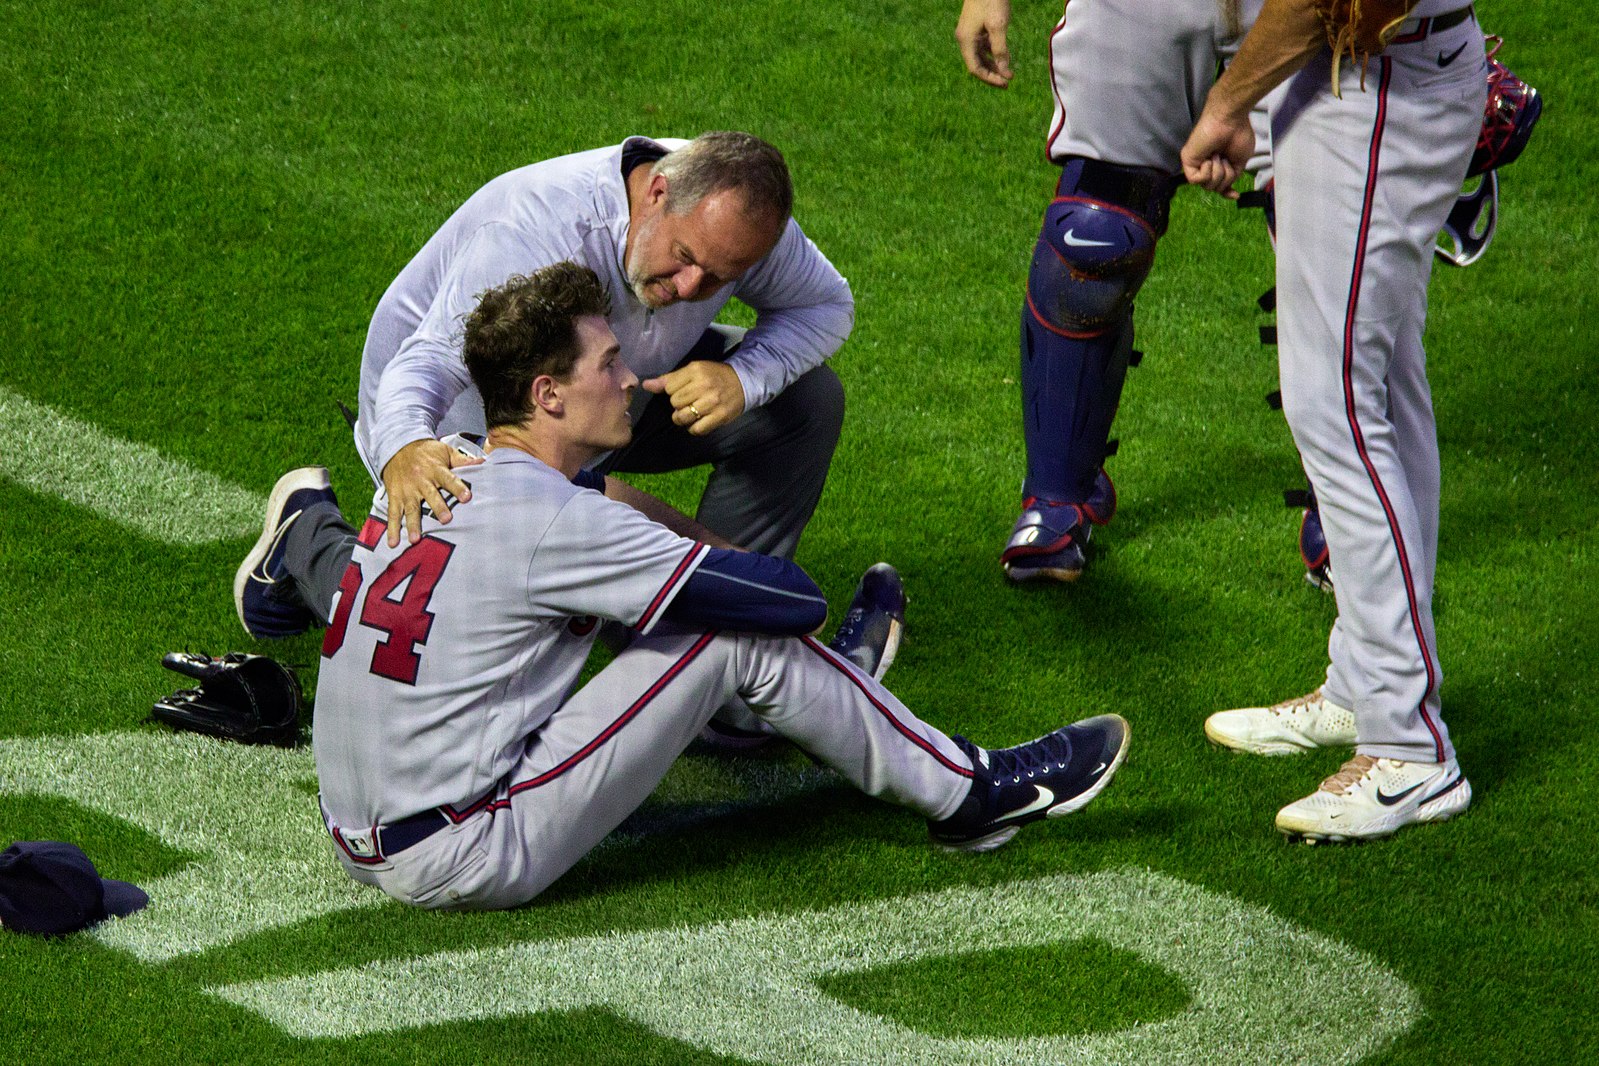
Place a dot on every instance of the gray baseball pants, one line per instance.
(601, 755)
(607, 748)
(1364, 184)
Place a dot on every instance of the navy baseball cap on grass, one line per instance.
(49, 887)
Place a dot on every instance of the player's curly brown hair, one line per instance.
(525, 328)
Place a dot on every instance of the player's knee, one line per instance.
(814, 407)
(1090, 261)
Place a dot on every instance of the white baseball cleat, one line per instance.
(1369, 798)
(1290, 727)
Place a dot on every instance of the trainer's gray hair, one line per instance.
(722, 160)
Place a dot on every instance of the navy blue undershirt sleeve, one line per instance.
(751, 593)
(589, 479)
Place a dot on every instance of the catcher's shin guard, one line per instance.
(1095, 249)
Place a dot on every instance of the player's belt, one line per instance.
(1420, 29)
(408, 832)
(383, 842)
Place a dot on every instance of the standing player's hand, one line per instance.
(414, 476)
(1217, 151)
(981, 35)
(705, 395)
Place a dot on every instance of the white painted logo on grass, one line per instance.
(133, 484)
(263, 859)
(1263, 990)
(248, 813)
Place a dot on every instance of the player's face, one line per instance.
(692, 255)
(598, 391)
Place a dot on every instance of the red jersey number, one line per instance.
(396, 605)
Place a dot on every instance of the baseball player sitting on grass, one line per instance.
(459, 768)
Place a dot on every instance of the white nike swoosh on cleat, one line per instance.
(1098, 768)
(1074, 241)
(1045, 799)
(258, 572)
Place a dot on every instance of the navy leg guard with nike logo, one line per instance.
(1095, 249)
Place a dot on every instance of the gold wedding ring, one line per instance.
(695, 411)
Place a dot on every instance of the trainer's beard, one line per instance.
(637, 279)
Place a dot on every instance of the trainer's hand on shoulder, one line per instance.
(980, 32)
(414, 476)
(705, 395)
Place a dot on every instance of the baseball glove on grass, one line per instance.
(1360, 29)
(247, 698)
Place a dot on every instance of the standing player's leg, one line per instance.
(1128, 78)
(1094, 251)
(1355, 236)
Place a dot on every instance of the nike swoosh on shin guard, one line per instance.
(1074, 241)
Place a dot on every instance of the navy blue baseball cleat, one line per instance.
(263, 594)
(1313, 549)
(872, 628)
(1045, 778)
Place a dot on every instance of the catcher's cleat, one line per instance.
(1288, 728)
(263, 594)
(1045, 778)
(1313, 549)
(872, 628)
(1369, 798)
(1050, 538)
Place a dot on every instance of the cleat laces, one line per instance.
(1349, 775)
(1299, 703)
(1050, 752)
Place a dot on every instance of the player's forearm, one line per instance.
(414, 394)
(804, 312)
(1284, 37)
(750, 593)
(663, 513)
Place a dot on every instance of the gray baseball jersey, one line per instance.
(446, 693)
(1130, 76)
(427, 686)
(1363, 185)
(413, 382)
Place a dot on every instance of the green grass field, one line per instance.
(202, 204)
